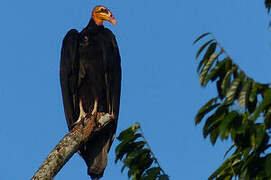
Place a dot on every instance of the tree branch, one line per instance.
(69, 145)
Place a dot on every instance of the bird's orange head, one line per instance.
(101, 14)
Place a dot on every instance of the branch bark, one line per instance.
(69, 145)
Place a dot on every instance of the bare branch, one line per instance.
(69, 145)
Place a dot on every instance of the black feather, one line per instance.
(91, 69)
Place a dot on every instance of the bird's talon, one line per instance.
(112, 116)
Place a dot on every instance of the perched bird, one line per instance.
(90, 75)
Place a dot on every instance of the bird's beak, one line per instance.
(113, 20)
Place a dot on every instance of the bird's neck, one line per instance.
(93, 25)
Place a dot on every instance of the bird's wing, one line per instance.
(114, 73)
(116, 78)
(69, 70)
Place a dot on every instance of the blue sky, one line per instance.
(160, 85)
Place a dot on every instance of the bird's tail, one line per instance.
(94, 152)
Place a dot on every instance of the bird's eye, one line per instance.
(103, 10)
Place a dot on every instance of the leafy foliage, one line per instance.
(241, 111)
(268, 5)
(136, 155)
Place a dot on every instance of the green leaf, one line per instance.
(206, 68)
(260, 133)
(224, 128)
(128, 133)
(203, 47)
(226, 168)
(267, 118)
(200, 37)
(120, 150)
(243, 97)
(134, 155)
(244, 174)
(232, 92)
(216, 71)
(268, 165)
(214, 135)
(268, 5)
(251, 106)
(238, 125)
(211, 124)
(221, 94)
(133, 172)
(145, 162)
(209, 106)
(227, 79)
(138, 158)
(266, 102)
(151, 173)
(126, 148)
(123, 167)
(253, 139)
(211, 49)
(131, 137)
(201, 63)
(227, 152)
(164, 177)
(229, 63)
(213, 121)
(220, 170)
(254, 91)
(221, 72)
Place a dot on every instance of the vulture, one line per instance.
(90, 77)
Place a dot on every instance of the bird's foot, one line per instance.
(81, 120)
(112, 116)
(82, 116)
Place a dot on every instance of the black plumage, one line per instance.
(90, 70)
